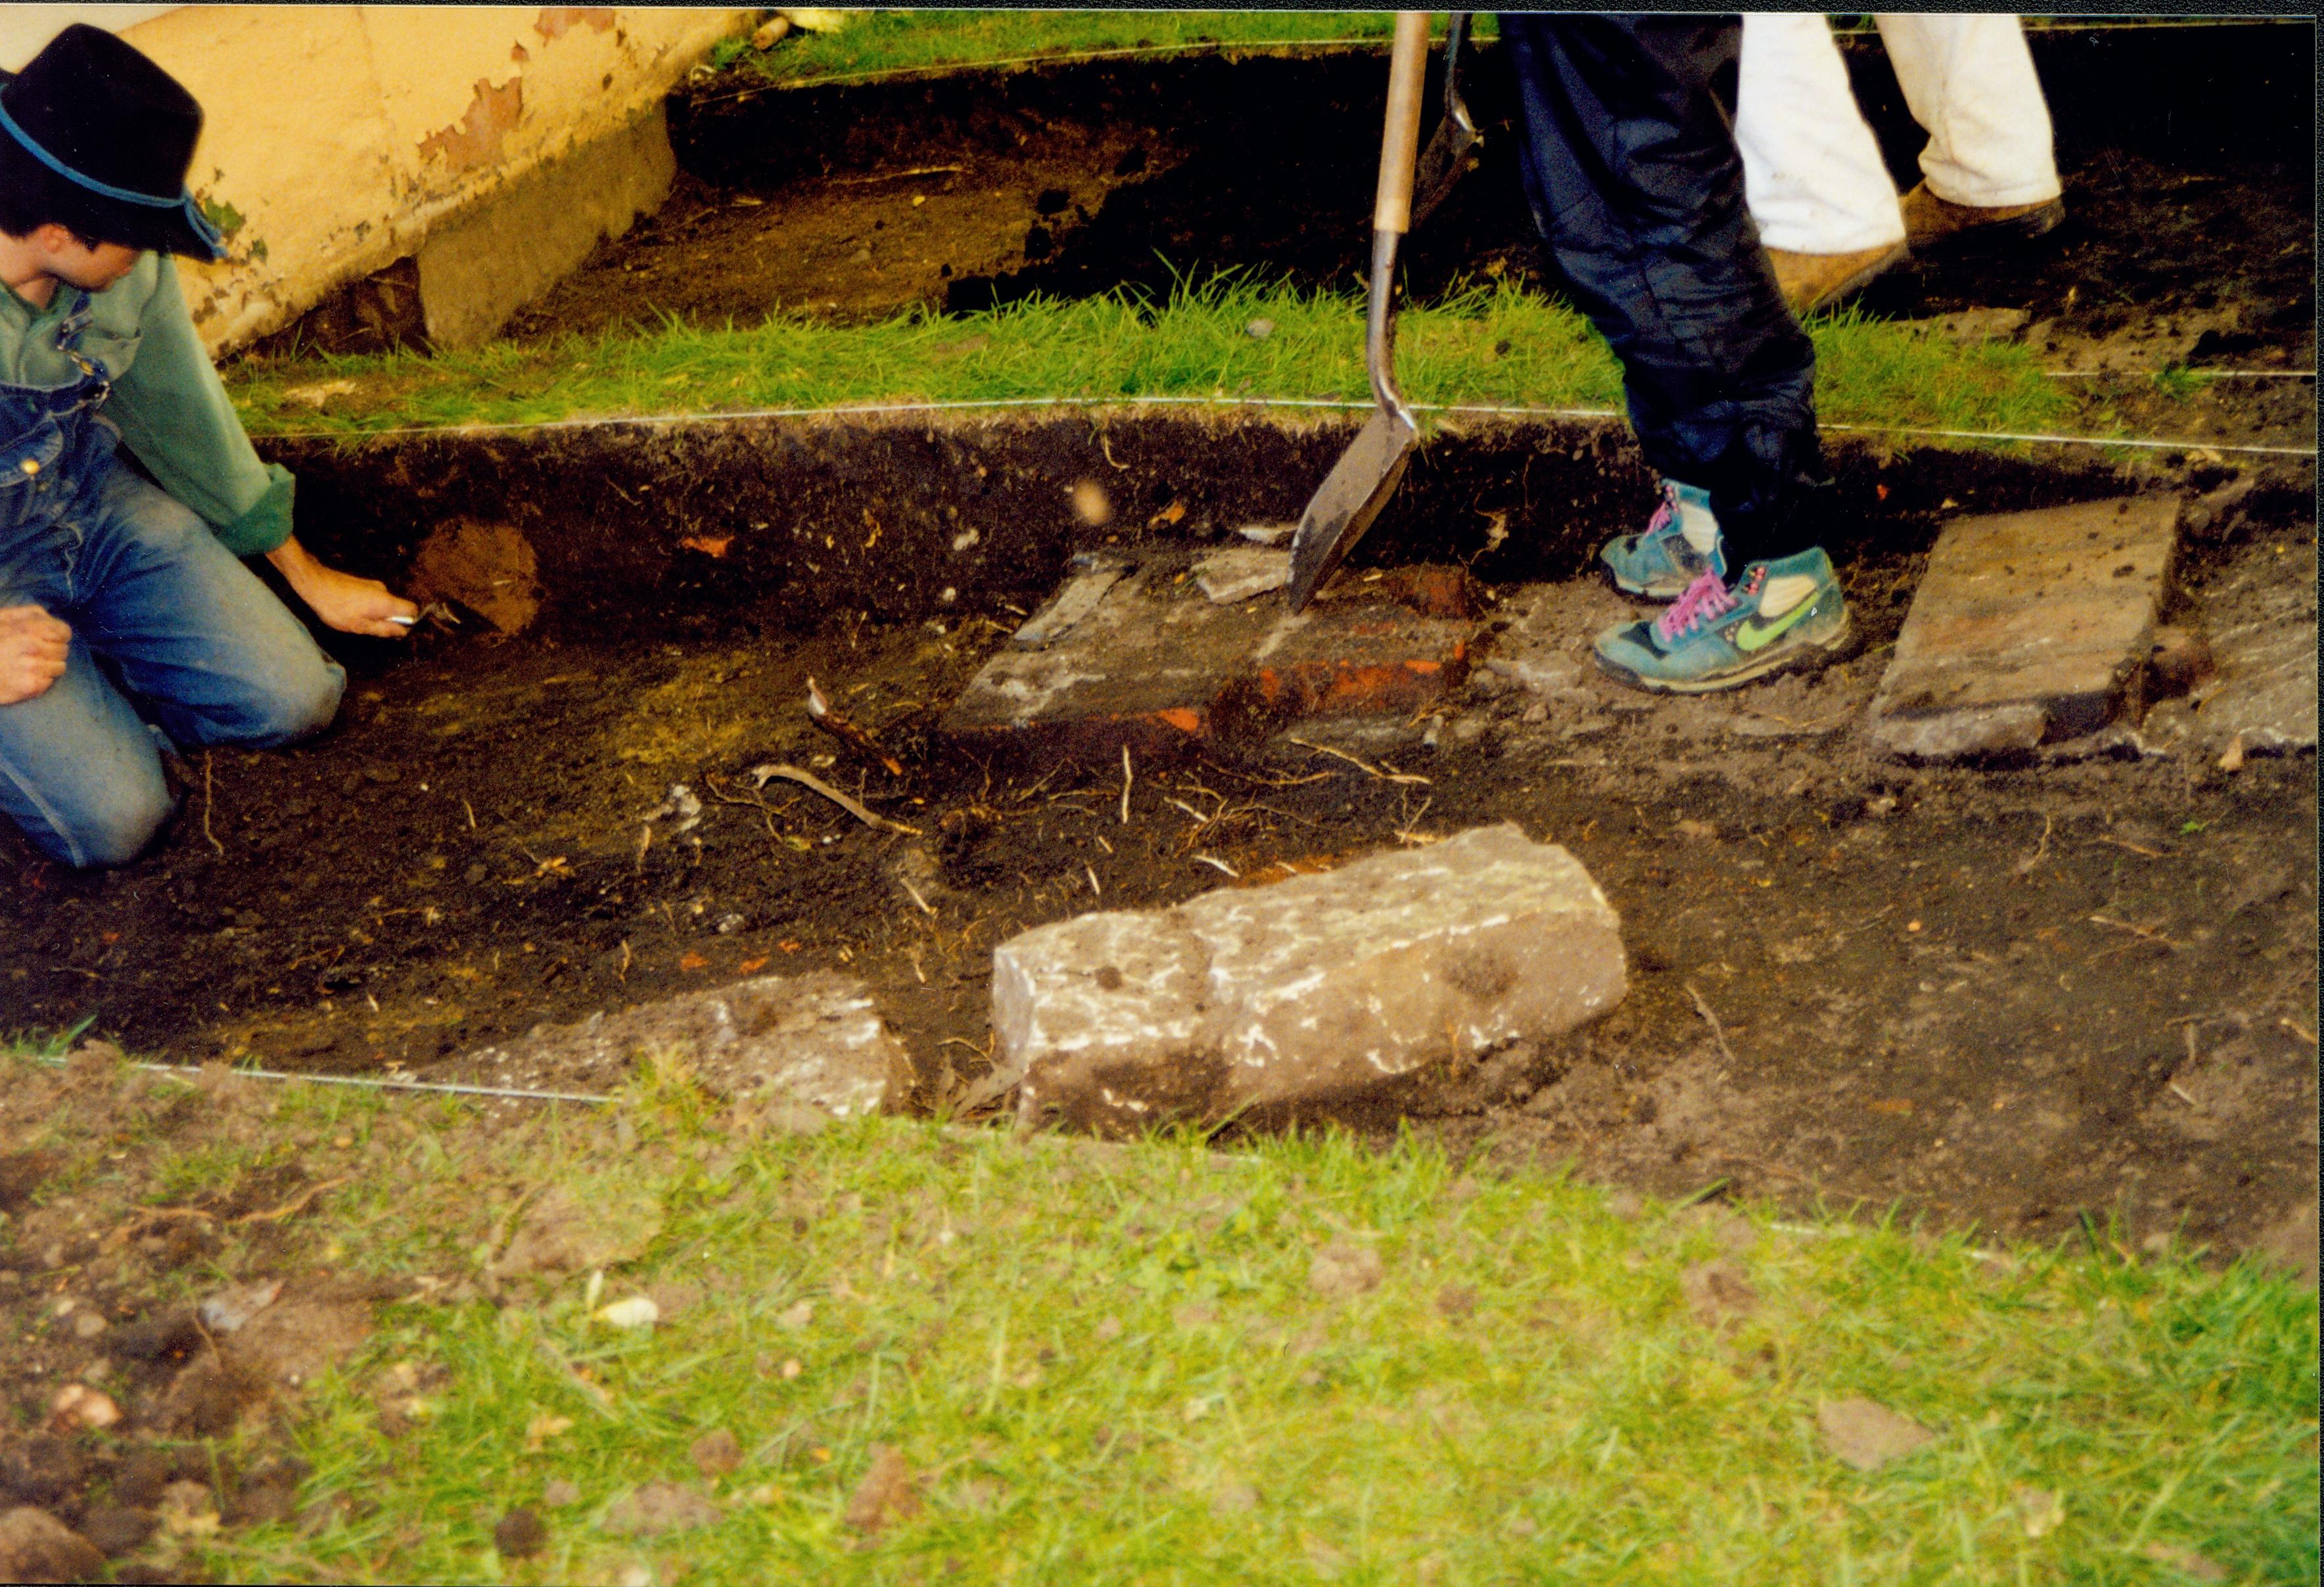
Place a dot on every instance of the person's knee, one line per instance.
(292, 703)
(112, 829)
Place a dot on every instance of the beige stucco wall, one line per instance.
(343, 136)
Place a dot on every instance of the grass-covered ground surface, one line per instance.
(894, 1352)
(879, 41)
(1493, 346)
(871, 42)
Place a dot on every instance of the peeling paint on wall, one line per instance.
(556, 20)
(476, 141)
(392, 131)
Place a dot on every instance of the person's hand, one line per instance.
(32, 652)
(343, 601)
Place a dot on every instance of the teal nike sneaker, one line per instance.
(1657, 564)
(1780, 616)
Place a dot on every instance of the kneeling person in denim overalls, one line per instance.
(121, 601)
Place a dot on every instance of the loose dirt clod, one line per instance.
(1866, 1434)
(519, 1534)
(270, 1493)
(1719, 1293)
(2180, 1558)
(35, 1546)
(1344, 1268)
(660, 1507)
(561, 1233)
(716, 1453)
(888, 1492)
(78, 1406)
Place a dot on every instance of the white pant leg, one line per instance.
(1969, 81)
(1813, 173)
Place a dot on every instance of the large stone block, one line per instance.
(2028, 628)
(815, 1041)
(1309, 996)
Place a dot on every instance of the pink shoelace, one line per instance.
(1664, 511)
(1705, 599)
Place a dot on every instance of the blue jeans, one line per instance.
(164, 617)
(1629, 162)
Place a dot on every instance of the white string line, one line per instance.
(363, 1082)
(873, 409)
(2183, 373)
(2145, 444)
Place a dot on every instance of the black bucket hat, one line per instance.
(109, 134)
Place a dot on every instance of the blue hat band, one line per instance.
(200, 223)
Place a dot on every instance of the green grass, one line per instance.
(1111, 1363)
(1112, 1367)
(1494, 345)
(881, 42)
(919, 41)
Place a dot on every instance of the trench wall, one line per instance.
(783, 524)
(2176, 95)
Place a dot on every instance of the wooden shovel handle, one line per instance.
(1400, 143)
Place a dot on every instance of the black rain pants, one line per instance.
(1631, 164)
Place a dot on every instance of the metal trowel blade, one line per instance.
(1351, 496)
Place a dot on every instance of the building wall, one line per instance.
(339, 139)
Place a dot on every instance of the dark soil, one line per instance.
(2009, 997)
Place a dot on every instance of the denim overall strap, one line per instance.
(55, 447)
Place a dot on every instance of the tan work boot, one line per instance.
(1935, 224)
(1811, 281)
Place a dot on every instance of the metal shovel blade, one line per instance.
(1351, 496)
(1445, 160)
(1442, 163)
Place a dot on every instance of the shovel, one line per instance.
(1366, 475)
(1445, 161)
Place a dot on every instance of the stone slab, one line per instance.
(1309, 996)
(1075, 601)
(1145, 658)
(2259, 618)
(1243, 573)
(2027, 628)
(813, 1040)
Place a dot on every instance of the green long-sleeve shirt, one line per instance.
(167, 399)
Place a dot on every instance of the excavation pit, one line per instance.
(1987, 992)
